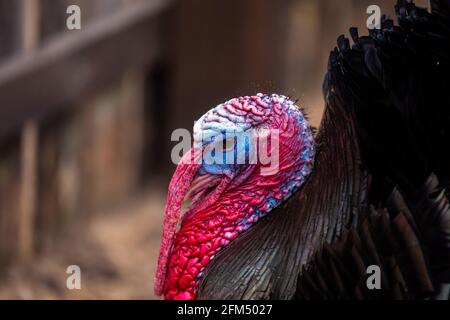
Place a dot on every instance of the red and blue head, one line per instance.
(250, 154)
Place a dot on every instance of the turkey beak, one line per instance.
(178, 188)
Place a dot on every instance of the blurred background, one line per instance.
(86, 117)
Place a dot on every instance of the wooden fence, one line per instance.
(86, 116)
(73, 107)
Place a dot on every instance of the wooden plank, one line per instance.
(75, 62)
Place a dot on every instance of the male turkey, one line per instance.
(372, 189)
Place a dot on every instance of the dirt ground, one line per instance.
(116, 251)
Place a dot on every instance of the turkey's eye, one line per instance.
(228, 144)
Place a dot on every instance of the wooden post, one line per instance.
(9, 200)
(28, 177)
(30, 25)
(29, 144)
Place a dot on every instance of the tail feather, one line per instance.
(394, 83)
(386, 239)
(440, 7)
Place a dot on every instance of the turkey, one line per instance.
(371, 188)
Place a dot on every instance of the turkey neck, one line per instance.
(334, 197)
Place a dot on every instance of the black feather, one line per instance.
(379, 191)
